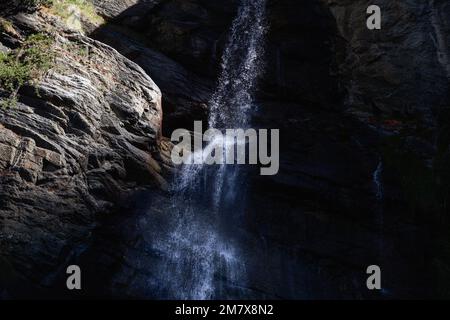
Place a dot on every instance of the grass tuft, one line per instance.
(25, 65)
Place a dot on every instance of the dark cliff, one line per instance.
(352, 105)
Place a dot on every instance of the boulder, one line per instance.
(72, 149)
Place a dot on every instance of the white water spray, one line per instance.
(201, 260)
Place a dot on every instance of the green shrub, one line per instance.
(36, 53)
(12, 72)
(26, 64)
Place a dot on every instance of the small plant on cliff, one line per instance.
(13, 74)
(26, 64)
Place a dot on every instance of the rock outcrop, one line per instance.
(179, 44)
(111, 9)
(71, 150)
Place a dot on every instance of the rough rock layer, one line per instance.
(402, 69)
(71, 150)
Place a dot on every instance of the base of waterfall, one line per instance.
(227, 147)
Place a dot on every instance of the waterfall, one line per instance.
(379, 209)
(241, 65)
(379, 194)
(377, 181)
(200, 248)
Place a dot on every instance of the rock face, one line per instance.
(71, 151)
(360, 112)
(179, 44)
(114, 8)
(16, 5)
(185, 93)
(403, 68)
(192, 32)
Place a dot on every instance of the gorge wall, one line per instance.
(72, 149)
(344, 98)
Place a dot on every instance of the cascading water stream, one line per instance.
(201, 257)
(241, 66)
(379, 196)
(377, 181)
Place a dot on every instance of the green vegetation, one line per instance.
(26, 64)
(70, 10)
(66, 9)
